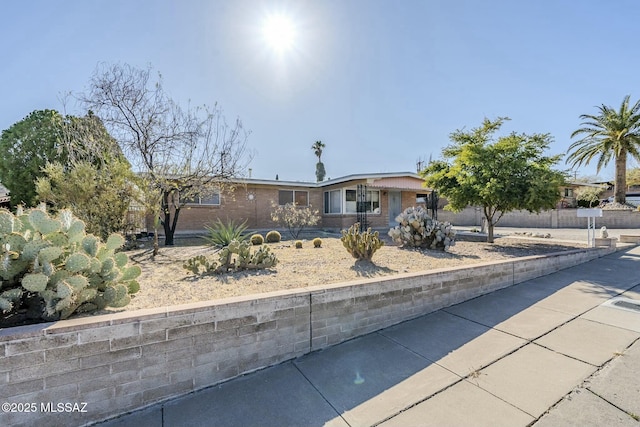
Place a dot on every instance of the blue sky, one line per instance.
(381, 83)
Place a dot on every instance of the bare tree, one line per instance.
(180, 154)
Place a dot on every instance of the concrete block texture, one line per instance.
(127, 360)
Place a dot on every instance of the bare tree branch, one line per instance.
(181, 153)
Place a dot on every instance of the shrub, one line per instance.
(298, 244)
(273, 236)
(294, 218)
(317, 242)
(257, 240)
(588, 197)
(236, 256)
(417, 229)
(52, 263)
(363, 245)
(221, 234)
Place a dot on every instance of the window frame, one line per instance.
(200, 198)
(370, 201)
(293, 197)
(327, 198)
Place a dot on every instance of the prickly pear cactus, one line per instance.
(363, 245)
(416, 229)
(53, 260)
(236, 256)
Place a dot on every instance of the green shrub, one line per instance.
(298, 244)
(417, 229)
(52, 263)
(257, 240)
(587, 197)
(236, 256)
(221, 234)
(317, 242)
(273, 236)
(363, 245)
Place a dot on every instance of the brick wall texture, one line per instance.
(120, 362)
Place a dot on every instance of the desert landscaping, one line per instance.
(165, 282)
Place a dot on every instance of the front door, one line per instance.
(395, 207)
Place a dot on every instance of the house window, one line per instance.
(333, 202)
(301, 198)
(206, 199)
(568, 192)
(371, 203)
(422, 198)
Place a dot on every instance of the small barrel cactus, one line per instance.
(54, 261)
(298, 244)
(273, 236)
(363, 245)
(317, 242)
(257, 239)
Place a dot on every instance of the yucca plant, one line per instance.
(221, 234)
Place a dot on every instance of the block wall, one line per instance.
(117, 363)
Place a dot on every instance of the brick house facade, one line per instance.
(250, 200)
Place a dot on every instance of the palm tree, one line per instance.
(609, 134)
(317, 150)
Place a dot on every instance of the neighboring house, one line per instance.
(4, 197)
(382, 197)
(569, 196)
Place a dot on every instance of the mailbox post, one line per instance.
(591, 215)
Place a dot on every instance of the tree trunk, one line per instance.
(489, 232)
(168, 232)
(620, 191)
(170, 223)
(488, 222)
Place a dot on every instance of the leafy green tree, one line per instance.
(96, 183)
(25, 148)
(100, 197)
(499, 175)
(317, 148)
(609, 134)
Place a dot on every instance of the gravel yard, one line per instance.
(164, 282)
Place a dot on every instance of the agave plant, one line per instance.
(221, 234)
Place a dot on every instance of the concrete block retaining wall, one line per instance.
(557, 218)
(112, 364)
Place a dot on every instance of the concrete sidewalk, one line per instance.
(553, 351)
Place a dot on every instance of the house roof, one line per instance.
(586, 184)
(383, 180)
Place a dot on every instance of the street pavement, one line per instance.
(558, 350)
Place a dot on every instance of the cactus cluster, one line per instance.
(363, 245)
(236, 256)
(54, 260)
(417, 229)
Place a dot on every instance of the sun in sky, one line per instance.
(279, 32)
